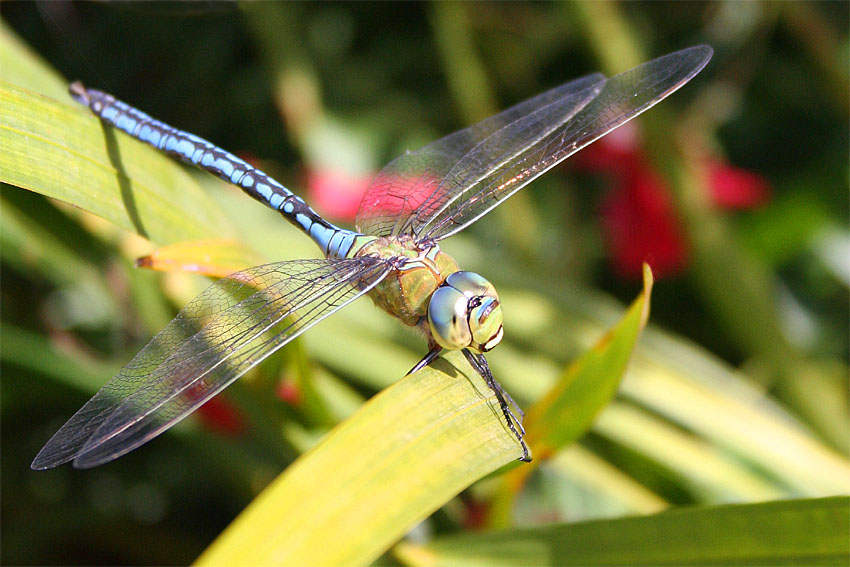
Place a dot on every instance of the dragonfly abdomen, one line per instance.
(194, 150)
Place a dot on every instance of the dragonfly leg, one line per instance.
(426, 360)
(479, 363)
(496, 387)
(513, 405)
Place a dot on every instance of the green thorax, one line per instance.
(405, 292)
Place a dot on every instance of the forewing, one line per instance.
(513, 156)
(415, 179)
(221, 334)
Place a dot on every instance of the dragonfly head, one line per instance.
(465, 313)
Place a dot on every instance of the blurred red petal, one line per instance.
(219, 416)
(336, 194)
(395, 194)
(287, 390)
(639, 225)
(618, 152)
(736, 188)
(475, 517)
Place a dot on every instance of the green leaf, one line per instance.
(719, 423)
(789, 532)
(401, 456)
(37, 354)
(710, 474)
(589, 384)
(567, 410)
(63, 151)
(25, 68)
(30, 246)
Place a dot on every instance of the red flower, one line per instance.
(288, 391)
(639, 223)
(388, 195)
(735, 188)
(475, 514)
(616, 153)
(219, 416)
(336, 193)
(638, 218)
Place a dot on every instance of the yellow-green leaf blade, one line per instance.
(567, 410)
(217, 257)
(400, 457)
(24, 67)
(64, 152)
(785, 532)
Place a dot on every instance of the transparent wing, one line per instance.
(512, 157)
(221, 334)
(532, 139)
(413, 179)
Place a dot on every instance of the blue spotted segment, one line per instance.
(335, 242)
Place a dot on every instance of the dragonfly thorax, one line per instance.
(419, 271)
(456, 309)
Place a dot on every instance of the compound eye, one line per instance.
(482, 313)
(485, 321)
(447, 316)
(471, 285)
(485, 312)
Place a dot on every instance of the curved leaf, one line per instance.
(567, 410)
(64, 152)
(397, 459)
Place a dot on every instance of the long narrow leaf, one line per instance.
(568, 409)
(63, 152)
(790, 532)
(583, 390)
(400, 457)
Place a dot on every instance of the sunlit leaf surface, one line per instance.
(794, 532)
(404, 454)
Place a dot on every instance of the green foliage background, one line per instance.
(737, 392)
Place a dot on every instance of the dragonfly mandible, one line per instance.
(394, 257)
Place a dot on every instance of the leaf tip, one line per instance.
(648, 282)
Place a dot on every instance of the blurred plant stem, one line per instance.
(465, 73)
(609, 34)
(820, 42)
(473, 95)
(739, 289)
(297, 92)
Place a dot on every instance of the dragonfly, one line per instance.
(393, 256)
